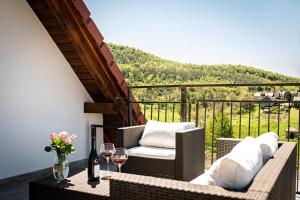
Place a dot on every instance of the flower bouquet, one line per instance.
(62, 144)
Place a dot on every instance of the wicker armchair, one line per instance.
(275, 181)
(189, 158)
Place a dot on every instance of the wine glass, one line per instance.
(106, 151)
(119, 157)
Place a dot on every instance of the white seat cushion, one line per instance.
(237, 169)
(152, 152)
(268, 143)
(163, 134)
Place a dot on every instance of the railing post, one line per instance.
(183, 104)
(197, 114)
(129, 107)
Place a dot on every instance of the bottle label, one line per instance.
(96, 171)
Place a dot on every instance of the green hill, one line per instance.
(140, 68)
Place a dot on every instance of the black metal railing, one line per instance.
(223, 117)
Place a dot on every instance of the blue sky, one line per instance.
(259, 33)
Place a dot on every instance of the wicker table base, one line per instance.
(75, 187)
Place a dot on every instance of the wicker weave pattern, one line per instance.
(135, 187)
(275, 181)
(129, 137)
(225, 145)
(150, 167)
(275, 177)
(189, 160)
(190, 154)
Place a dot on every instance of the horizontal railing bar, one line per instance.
(249, 101)
(215, 85)
(153, 102)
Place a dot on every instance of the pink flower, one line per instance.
(53, 136)
(63, 135)
(73, 137)
(68, 140)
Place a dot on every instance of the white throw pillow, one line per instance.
(268, 143)
(210, 176)
(235, 170)
(239, 167)
(162, 134)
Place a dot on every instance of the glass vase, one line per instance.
(61, 167)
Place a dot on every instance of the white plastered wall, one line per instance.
(39, 94)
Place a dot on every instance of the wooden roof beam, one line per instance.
(104, 108)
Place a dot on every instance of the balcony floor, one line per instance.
(18, 187)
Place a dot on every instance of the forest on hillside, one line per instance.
(142, 68)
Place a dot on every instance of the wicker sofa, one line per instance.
(189, 158)
(276, 180)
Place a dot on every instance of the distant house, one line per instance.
(297, 98)
(269, 94)
(276, 94)
(257, 94)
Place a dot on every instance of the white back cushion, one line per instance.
(240, 166)
(235, 170)
(268, 143)
(162, 134)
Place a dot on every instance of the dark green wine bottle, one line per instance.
(93, 162)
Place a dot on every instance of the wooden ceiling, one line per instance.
(69, 24)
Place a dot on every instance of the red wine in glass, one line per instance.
(119, 157)
(119, 160)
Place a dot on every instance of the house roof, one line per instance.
(78, 38)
